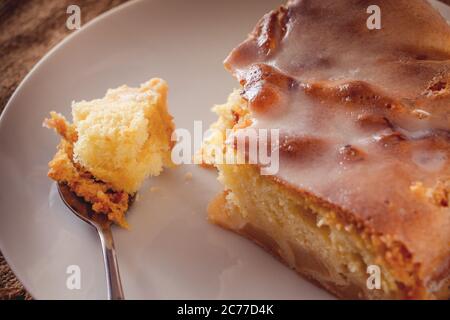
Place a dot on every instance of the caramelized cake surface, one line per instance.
(364, 118)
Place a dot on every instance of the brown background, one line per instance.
(29, 28)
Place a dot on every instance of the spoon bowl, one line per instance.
(100, 222)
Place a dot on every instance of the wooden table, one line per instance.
(29, 28)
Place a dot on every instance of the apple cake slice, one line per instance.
(113, 144)
(364, 146)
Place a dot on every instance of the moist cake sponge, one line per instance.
(113, 144)
(125, 136)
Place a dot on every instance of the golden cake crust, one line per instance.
(62, 168)
(364, 118)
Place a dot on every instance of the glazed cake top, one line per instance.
(364, 115)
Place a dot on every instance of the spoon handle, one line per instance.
(114, 283)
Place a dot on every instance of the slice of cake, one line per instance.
(364, 146)
(113, 144)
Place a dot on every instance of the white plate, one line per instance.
(171, 250)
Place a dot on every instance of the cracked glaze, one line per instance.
(364, 115)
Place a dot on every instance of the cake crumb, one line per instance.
(188, 176)
(155, 189)
(418, 188)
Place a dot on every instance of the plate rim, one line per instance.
(39, 64)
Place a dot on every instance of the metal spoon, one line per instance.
(83, 210)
